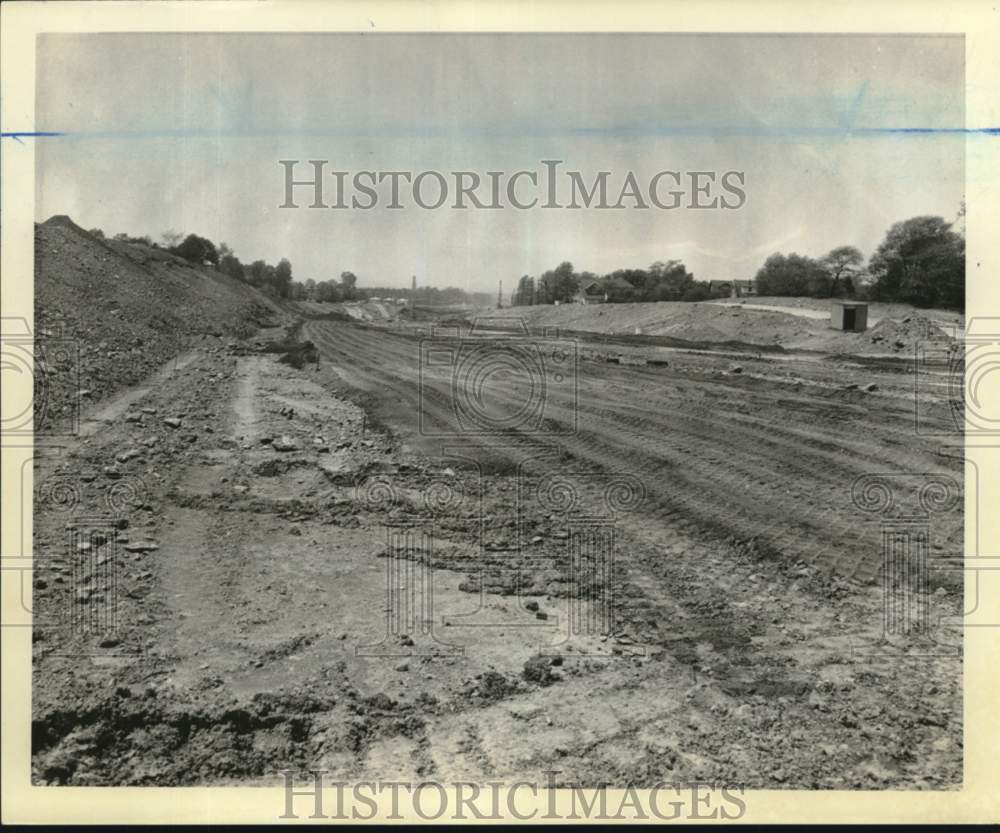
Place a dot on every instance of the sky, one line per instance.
(184, 132)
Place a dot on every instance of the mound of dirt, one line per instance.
(905, 335)
(746, 324)
(688, 321)
(370, 311)
(108, 313)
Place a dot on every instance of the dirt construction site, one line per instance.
(492, 546)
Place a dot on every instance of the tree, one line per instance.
(697, 291)
(922, 262)
(843, 265)
(283, 278)
(524, 295)
(792, 275)
(230, 265)
(559, 284)
(619, 290)
(328, 291)
(348, 286)
(269, 283)
(667, 281)
(639, 279)
(257, 273)
(197, 250)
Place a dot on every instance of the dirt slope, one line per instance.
(715, 322)
(122, 310)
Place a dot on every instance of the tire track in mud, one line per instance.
(688, 571)
(672, 529)
(757, 632)
(709, 607)
(823, 451)
(653, 459)
(724, 479)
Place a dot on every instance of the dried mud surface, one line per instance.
(236, 515)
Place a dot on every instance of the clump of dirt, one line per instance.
(276, 467)
(146, 736)
(492, 686)
(538, 669)
(301, 354)
(294, 351)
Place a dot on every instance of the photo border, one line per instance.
(976, 801)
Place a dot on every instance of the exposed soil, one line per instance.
(109, 313)
(243, 518)
(791, 323)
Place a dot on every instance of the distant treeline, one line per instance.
(662, 281)
(921, 261)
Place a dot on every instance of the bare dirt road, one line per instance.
(660, 575)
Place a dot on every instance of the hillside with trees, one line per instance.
(122, 307)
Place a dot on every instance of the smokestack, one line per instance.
(500, 296)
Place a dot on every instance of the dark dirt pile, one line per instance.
(108, 313)
(905, 335)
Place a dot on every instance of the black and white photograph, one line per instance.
(422, 411)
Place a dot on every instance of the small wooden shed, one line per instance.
(851, 316)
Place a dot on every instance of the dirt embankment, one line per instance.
(108, 313)
(796, 327)
(365, 311)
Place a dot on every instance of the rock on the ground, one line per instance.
(284, 443)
